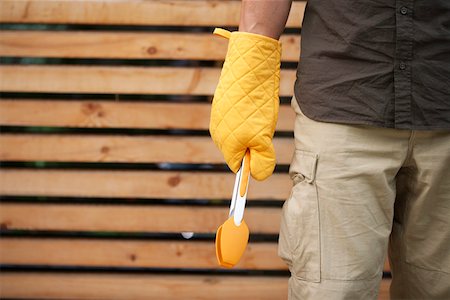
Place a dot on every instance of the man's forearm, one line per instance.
(265, 17)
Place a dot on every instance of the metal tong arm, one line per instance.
(240, 190)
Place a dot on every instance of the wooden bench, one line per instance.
(106, 157)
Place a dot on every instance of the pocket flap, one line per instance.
(304, 163)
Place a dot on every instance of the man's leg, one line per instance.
(336, 224)
(419, 248)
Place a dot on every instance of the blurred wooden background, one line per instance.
(106, 158)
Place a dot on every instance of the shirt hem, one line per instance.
(372, 123)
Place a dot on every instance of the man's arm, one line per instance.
(265, 17)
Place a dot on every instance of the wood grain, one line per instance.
(141, 286)
(125, 12)
(117, 114)
(147, 286)
(131, 218)
(119, 79)
(133, 253)
(126, 149)
(126, 45)
(136, 184)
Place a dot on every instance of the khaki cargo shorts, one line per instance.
(358, 190)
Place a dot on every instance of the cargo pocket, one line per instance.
(299, 240)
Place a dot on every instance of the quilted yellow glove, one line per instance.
(245, 105)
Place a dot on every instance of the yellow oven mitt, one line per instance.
(245, 105)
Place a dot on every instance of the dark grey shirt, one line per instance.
(379, 62)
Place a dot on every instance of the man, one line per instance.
(372, 141)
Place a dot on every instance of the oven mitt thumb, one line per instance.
(245, 106)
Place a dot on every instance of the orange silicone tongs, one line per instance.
(232, 236)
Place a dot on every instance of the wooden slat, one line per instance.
(117, 114)
(136, 184)
(130, 149)
(133, 218)
(141, 286)
(125, 12)
(120, 79)
(147, 286)
(125, 45)
(130, 253)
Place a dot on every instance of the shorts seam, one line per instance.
(357, 279)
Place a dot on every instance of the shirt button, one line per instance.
(404, 10)
(402, 66)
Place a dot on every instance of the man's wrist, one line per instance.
(266, 18)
